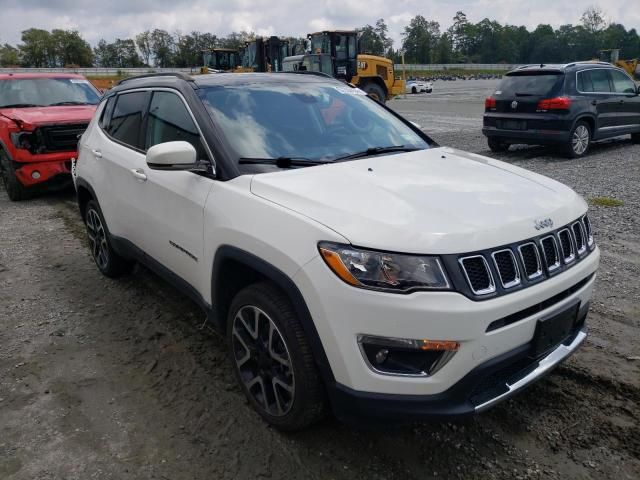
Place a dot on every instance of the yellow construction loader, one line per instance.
(335, 52)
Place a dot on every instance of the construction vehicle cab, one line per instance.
(612, 56)
(375, 75)
(220, 59)
(263, 55)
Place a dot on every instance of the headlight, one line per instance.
(384, 271)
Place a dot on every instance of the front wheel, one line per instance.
(579, 140)
(272, 358)
(375, 91)
(12, 185)
(414, 90)
(496, 145)
(107, 260)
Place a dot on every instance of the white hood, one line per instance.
(436, 201)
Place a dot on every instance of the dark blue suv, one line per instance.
(567, 105)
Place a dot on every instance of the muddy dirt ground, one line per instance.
(104, 379)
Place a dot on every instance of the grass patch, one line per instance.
(606, 202)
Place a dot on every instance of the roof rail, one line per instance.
(310, 72)
(180, 75)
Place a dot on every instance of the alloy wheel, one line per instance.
(263, 360)
(580, 139)
(97, 239)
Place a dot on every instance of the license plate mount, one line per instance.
(553, 330)
(512, 125)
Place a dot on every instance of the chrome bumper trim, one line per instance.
(544, 366)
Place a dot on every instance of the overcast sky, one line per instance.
(109, 19)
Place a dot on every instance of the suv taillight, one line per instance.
(558, 103)
(490, 103)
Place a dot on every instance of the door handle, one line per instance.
(138, 173)
(621, 101)
(96, 153)
(594, 102)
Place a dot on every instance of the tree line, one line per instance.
(423, 41)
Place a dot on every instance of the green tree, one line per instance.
(420, 39)
(69, 48)
(9, 56)
(143, 42)
(162, 48)
(36, 48)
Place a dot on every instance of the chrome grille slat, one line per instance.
(587, 230)
(507, 267)
(529, 253)
(578, 234)
(478, 274)
(566, 245)
(551, 253)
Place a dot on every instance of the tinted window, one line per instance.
(530, 84)
(169, 121)
(106, 112)
(311, 120)
(127, 118)
(594, 81)
(622, 83)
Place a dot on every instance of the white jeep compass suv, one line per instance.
(351, 262)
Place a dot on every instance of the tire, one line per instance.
(414, 90)
(375, 91)
(107, 260)
(496, 145)
(635, 137)
(579, 140)
(12, 185)
(267, 343)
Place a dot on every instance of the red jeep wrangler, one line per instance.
(41, 118)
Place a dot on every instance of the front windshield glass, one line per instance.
(310, 121)
(47, 91)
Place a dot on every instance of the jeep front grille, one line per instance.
(522, 264)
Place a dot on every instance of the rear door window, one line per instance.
(594, 81)
(531, 84)
(622, 83)
(126, 120)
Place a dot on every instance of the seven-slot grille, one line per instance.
(528, 261)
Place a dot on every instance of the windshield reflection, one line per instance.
(317, 121)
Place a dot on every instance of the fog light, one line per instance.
(381, 356)
(35, 175)
(401, 356)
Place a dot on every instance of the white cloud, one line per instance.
(97, 19)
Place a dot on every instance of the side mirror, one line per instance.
(172, 156)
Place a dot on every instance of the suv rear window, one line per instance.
(596, 80)
(127, 118)
(530, 84)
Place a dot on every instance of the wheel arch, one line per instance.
(590, 119)
(85, 193)
(234, 269)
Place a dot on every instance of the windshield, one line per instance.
(530, 84)
(310, 121)
(47, 91)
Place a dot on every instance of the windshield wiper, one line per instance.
(378, 150)
(58, 104)
(282, 162)
(20, 105)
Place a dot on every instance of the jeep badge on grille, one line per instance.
(544, 223)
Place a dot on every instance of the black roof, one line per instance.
(170, 79)
(560, 67)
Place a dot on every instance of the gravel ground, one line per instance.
(115, 380)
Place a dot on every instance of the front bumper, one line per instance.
(341, 313)
(44, 171)
(485, 386)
